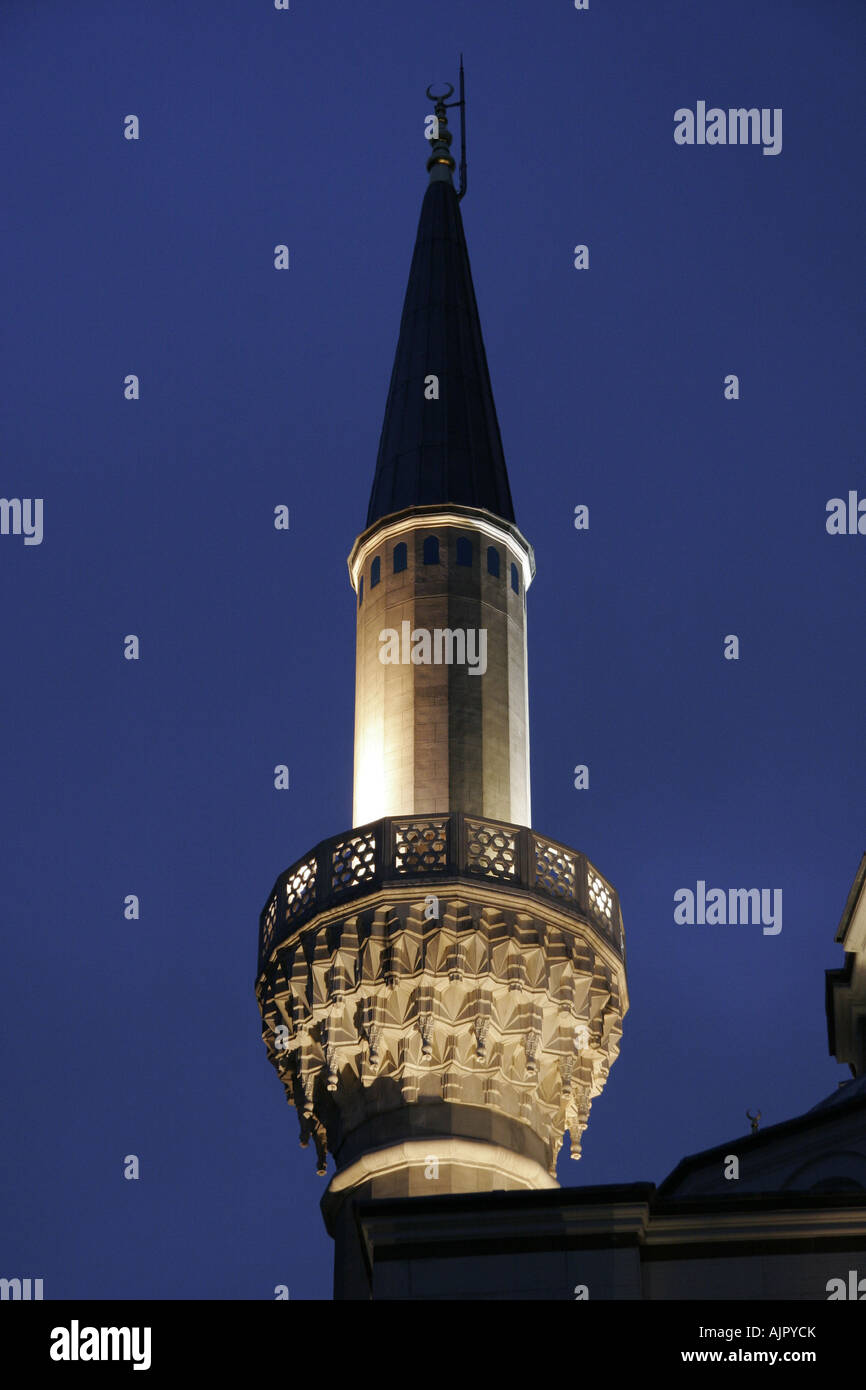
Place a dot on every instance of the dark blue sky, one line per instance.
(258, 388)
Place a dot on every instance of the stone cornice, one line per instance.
(587, 1218)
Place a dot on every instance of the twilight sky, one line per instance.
(259, 387)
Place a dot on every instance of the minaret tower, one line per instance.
(442, 989)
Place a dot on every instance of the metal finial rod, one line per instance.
(755, 1119)
(462, 105)
(445, 137)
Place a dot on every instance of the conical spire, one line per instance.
(447, 449)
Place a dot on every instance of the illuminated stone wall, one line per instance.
(434, 737)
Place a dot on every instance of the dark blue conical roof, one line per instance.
(445, 450)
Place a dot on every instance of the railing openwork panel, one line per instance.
(600, 894)
(300, 887)
(491, 850)
(555, 869)
(353, 861)
(269, 924)
(402, 848)
(421, 845)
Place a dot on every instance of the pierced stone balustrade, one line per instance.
(425, 849)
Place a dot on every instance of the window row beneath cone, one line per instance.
(464, 555)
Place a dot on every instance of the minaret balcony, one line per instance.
(418, 852)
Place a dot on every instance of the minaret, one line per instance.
(442, 989)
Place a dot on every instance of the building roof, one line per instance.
(848, 1100)
(845, 1091)
(445, 450)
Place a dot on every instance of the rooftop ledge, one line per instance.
(424, 851)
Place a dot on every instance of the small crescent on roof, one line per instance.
(449, 93)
